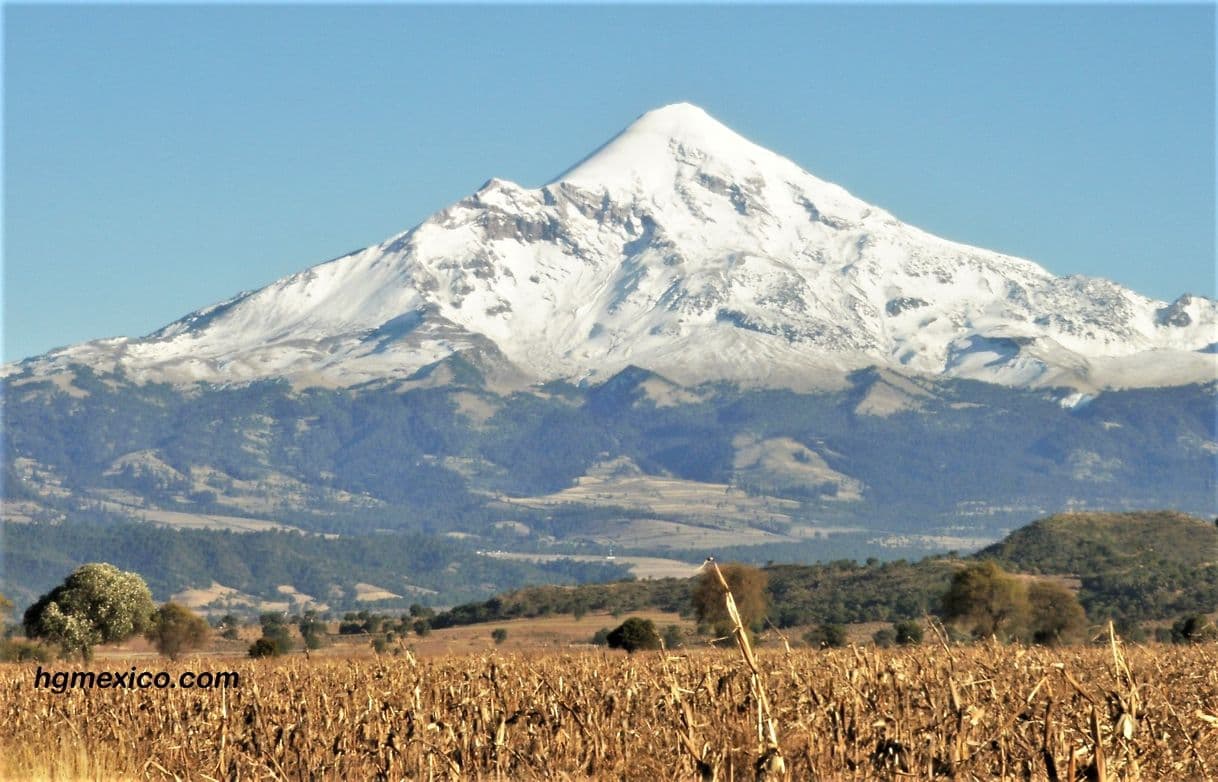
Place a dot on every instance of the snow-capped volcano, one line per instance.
(683, 248)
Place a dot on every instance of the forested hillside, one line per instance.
(1133, 568)
(417, 568)
(882, 455)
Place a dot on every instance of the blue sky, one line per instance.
(160, 158)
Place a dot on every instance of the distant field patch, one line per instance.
(640, 567)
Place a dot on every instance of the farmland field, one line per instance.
(981, 712)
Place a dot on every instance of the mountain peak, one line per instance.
(682, 122)
(651, 151)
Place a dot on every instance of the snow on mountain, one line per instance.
(683, 248)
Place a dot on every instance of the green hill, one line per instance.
(1132, 566)
(1107, 542)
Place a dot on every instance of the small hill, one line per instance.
(1133, 566)
(1081, 543)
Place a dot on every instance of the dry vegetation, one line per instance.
(984, 712)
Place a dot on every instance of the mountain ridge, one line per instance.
(680, 247)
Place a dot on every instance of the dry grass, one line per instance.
(986, 712)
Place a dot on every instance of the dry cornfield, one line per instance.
(984, 712)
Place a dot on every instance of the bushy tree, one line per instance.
(6, 607)
(985, 601)
(1195, 628)
(97, 603)
(1055, 616)
(884, 637)
(275, 629)
(176, 629)
(264, 647)
(826, 636)
(12, 650)
(230, 627)
(499, 635)
(908, 633)
(748, 585)
(601, 637)
(312, 629)
(634, 634)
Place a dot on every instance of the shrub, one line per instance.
(176, 629)
(634, 634)
(826, 636)
(908, 633)
(23, 651)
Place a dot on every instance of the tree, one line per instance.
(6, 608)
(634, 634)
(1192, 629)
(908, 633)
(601, 637)
(230, 627)
(312, 629)
(16, 651)
(673, 636)
(884, 637)
(264, 647)
(97, 603)
(748, 585)
(176, 629)
(986, 601)
(276, 630)
(826, 636)
(1055, 617)
(499, 635)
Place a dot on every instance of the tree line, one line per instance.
(98, 604)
